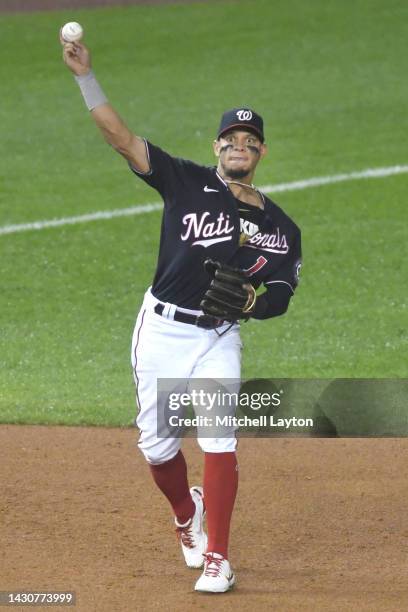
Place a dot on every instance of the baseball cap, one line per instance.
(241, 118)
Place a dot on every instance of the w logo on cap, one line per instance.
(244, 115)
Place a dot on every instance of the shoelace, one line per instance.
(213, 566)
(186, 535)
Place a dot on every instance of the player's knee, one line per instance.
(157, 455)
(218, 445)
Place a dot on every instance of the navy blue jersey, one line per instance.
(201, 219)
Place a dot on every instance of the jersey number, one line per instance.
(260, 262)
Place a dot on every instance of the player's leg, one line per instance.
(149, 357)
(155, 341)
(221, 362)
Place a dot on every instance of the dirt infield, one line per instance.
(319, 524)
(16, 6)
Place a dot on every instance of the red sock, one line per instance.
(220, 489)
(171, 478)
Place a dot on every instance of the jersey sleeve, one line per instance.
(164, 172)
(281, 285)
(273, 302)
(288, 272)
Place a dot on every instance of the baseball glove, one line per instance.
(230, 295)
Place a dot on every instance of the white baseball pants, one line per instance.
(164, 348)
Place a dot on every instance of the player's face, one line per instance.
(239, 152)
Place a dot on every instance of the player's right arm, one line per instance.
(116, 133)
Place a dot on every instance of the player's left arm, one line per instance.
(232, 296)
(274, 302)
(280, 288)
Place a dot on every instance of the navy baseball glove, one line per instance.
(230, 295)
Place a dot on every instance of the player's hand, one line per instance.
(76, 56)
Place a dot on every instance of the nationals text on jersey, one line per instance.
(273, 243)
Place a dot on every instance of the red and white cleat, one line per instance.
(217, 576)
(192, 536)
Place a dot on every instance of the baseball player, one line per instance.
(188, 325)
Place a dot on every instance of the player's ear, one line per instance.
(216, 147)
(263, 150)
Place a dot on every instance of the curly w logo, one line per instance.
(244, 115)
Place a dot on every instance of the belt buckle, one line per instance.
(208, 322)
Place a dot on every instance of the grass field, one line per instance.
(329, 79)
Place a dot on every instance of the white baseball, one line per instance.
(72, 32)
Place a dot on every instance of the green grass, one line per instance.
(328, 78)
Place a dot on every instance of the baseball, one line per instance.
(72, 32)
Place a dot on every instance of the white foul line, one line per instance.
(335, 178)
(96, 216)
(146, 208)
